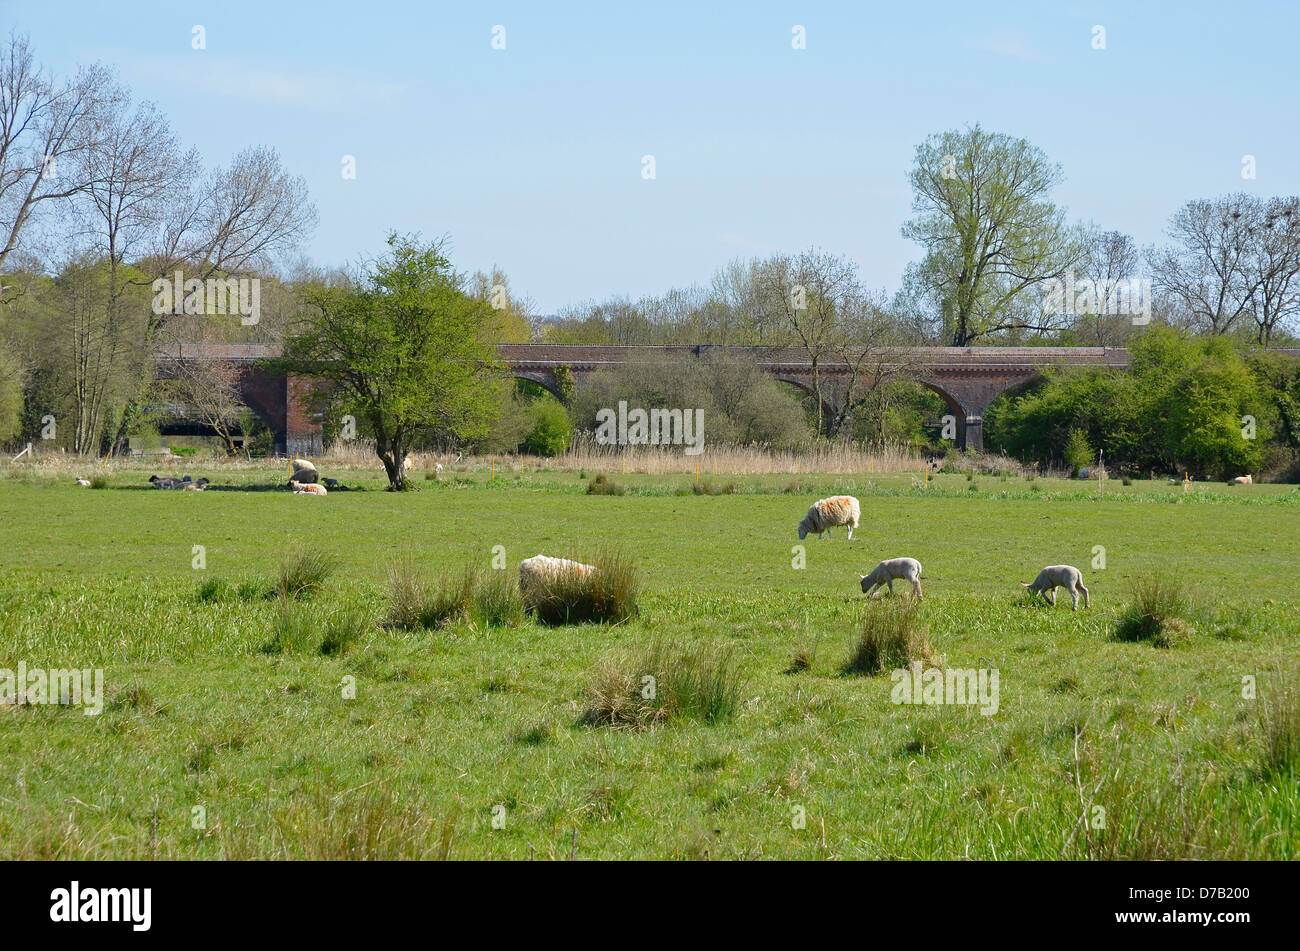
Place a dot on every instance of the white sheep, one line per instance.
(540, 571)
(307, 488)
(1058, 576)
(1242, 480)
(908, 569)
(826, 514)
(83, 482)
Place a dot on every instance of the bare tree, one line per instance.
(1208, 271)
(46, 129)
(1111, 257)
(1274, 266)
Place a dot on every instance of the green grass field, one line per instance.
(224, 736)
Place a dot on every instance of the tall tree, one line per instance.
(1207, 271)
(405, 349)
(1274, 266)
(46, 129)
(990, 231)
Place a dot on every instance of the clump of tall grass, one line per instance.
(1279, 722)
(606, 595)
(98, 482)
(660, 682)
(475, 594)
(299, 631)
(1156, 611)
(302, 572)
(890, 636)
(708, 488)
(602, 486)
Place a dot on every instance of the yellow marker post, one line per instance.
(492, 468)
(1187, 484)
(697, 472)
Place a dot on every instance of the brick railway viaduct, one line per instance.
(967, 379)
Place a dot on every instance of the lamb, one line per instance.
(536, 573)
(828, 513)
(197, 486)
(909, 569)
(307, 488)
(1242, 480)
(1059, 576)
(83, 482)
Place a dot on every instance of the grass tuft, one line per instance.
(1155, 612)
(890, 637)
(660, 682)
(302, 572)
(602, 486)
(607, 595)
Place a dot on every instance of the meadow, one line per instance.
(240, 725)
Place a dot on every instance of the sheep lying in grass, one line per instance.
(1058, 576)
(540, 571)
(829, 513)
(909, 569)
(1242, 480)
(307, 488)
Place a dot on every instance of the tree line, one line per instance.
(100, 202)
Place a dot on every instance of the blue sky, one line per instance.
(530, 157)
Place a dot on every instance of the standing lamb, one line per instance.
(909, 569)
(1242, 480)
(1058, 576)
(540, 571)
(829, 513)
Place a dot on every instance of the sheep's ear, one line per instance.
(862, 577)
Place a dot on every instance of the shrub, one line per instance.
(661, 682)
(1155, 611)
(98, 482)
(1078, 451)
(552, 430)
(606, 595)
(214, 589)
(302, 572)
(890, 637)
(602, 486)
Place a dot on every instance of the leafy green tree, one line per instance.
(405, 349)
(989, 229)
(1078, 452)
(552, 430)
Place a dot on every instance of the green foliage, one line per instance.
(607, 595)
(1155, 612)
(890, 636)
(405, 348)
(660, 682)
(1180, 405)
(1078, 453)
(552, 429)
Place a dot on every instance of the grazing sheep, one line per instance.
(909, 569)
(307, 488)
(829, 513)
(302, 464)
(1242, 480)
(1058, 576)
(537, 572)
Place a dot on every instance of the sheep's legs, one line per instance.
(1050, 596)
(916, 589)
(850, 533)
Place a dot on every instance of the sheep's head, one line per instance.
(803, 530)
(866, 583)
